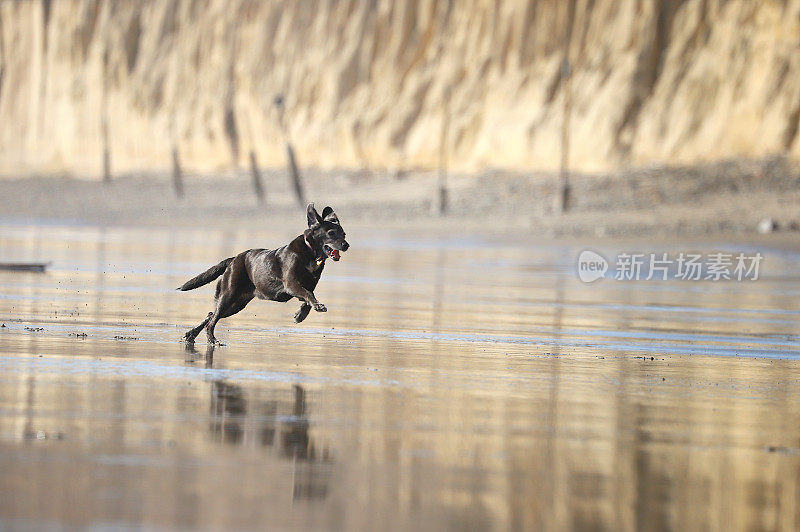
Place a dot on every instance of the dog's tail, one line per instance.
(207, 276)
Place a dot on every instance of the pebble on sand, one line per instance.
(766, 226)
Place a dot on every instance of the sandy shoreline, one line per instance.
(725, 198)
(443, 375)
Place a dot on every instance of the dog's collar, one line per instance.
(318, 261)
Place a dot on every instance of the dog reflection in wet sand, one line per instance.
(239, 421)
(274, 274)
(289, 433)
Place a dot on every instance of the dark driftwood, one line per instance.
(24, 266)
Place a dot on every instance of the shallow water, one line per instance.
(454, 383)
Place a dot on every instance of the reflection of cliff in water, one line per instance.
(277, 423)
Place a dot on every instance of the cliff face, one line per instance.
(367, 83)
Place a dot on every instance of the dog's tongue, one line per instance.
(335, 254)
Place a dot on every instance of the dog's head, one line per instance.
(326, 232)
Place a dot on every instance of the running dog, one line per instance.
(275, 274)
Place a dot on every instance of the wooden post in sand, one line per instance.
(177, 175)
(298, 186)
(293, 170)
(104, 123)
(106, 148)
(258, 188)
(561, 203)
(441, 203)
(106, 162)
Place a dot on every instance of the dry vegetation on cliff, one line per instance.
(664, 82)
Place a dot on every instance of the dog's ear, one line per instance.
(329, 216)
(312, 215)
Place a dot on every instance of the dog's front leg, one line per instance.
(297, 290)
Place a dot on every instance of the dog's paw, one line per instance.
(302, 313)
(319, 307)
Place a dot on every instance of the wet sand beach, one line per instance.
(456, 382)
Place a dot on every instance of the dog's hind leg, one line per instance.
(302, 312)
(234, 292)
(191, 335)
(225, 309)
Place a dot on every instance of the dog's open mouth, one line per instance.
(332, 253)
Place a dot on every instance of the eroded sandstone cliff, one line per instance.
(365, 82)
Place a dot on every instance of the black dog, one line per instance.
(275, 274)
